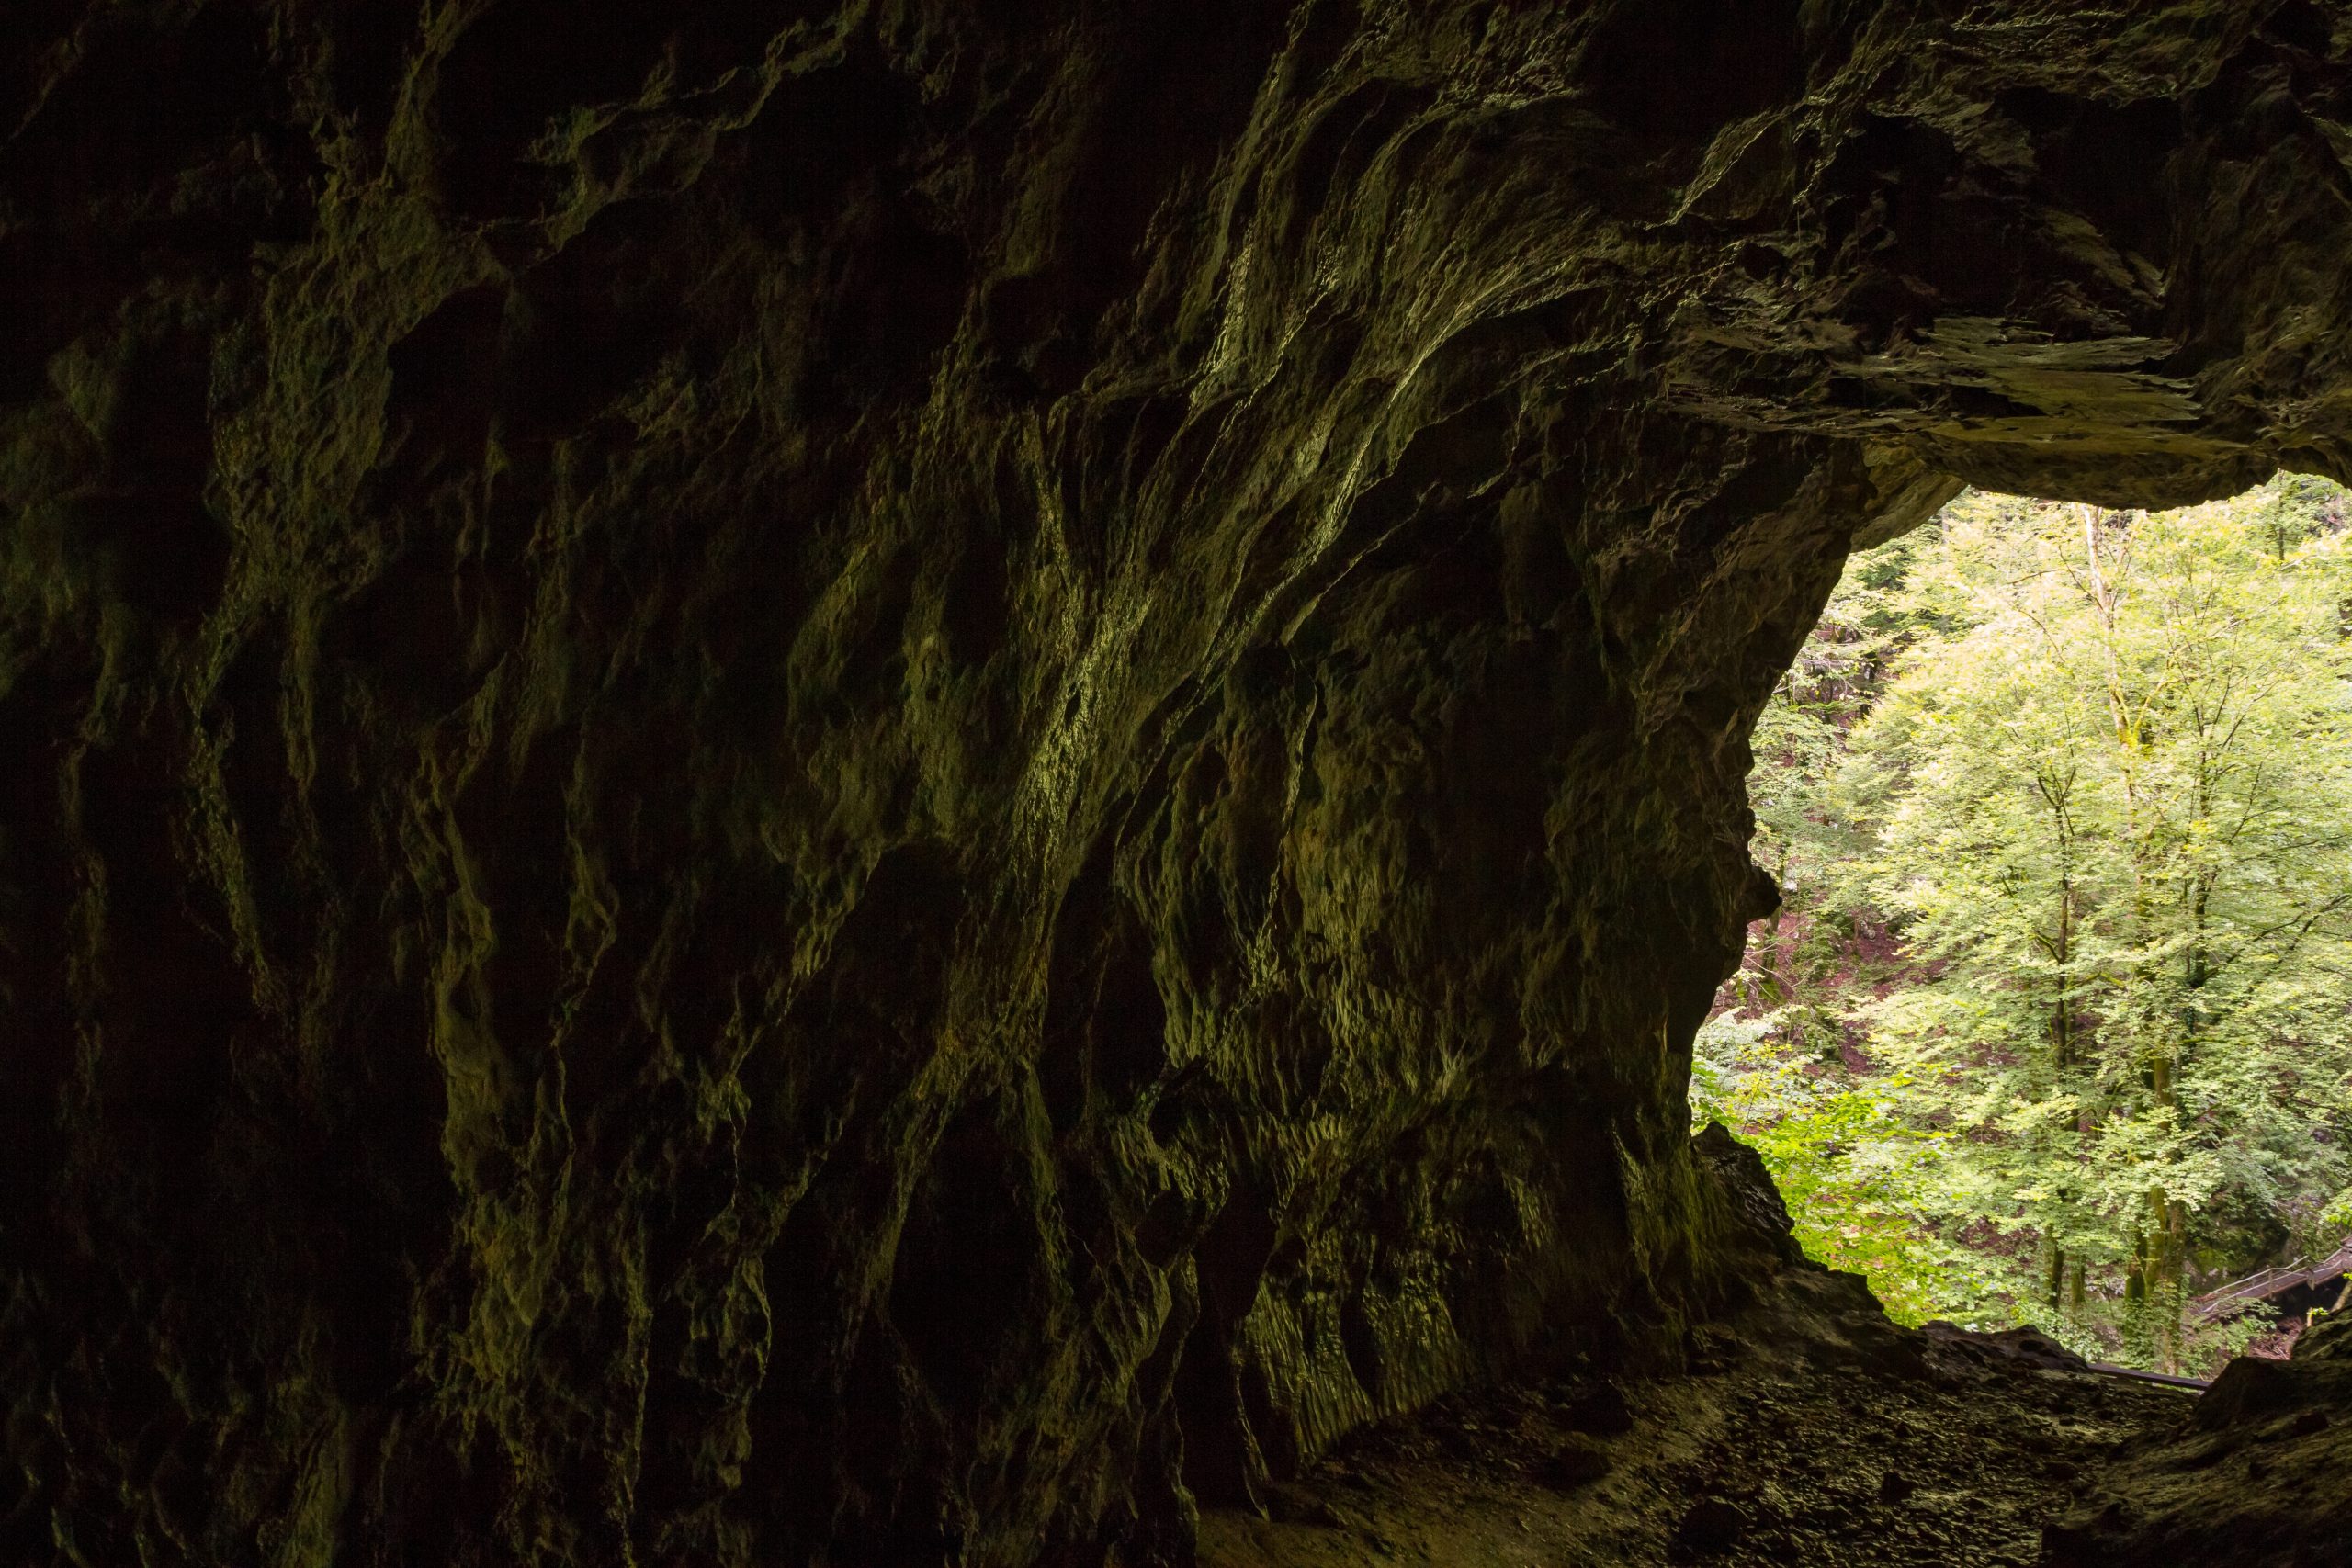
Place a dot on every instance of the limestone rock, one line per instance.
(2254, 1478)
(839, 784)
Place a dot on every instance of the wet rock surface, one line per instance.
(841, 783)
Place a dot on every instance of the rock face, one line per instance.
(887, 784)
(1802, 1428)
(2252, 1478)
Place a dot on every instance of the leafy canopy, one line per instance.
(2058, 1018)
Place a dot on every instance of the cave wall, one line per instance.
(884, 782)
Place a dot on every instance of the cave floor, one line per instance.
(1810, 1431)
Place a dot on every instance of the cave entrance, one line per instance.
(2053, 1024)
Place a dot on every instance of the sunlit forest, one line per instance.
(2055, 1023)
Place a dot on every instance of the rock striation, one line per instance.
(837, 783)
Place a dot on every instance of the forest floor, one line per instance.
(1811, 1431)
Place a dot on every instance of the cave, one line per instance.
(845, 784)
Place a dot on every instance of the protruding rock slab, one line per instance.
(2259, 1475)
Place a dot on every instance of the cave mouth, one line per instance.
(1912, 1380)
(2046, 1026)
(854, 784)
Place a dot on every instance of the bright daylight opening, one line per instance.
(2054, 1025)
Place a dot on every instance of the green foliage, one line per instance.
(1848, 1165)
(2058, 1019)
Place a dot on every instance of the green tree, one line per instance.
(2052, 1020)
(2113, 821)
